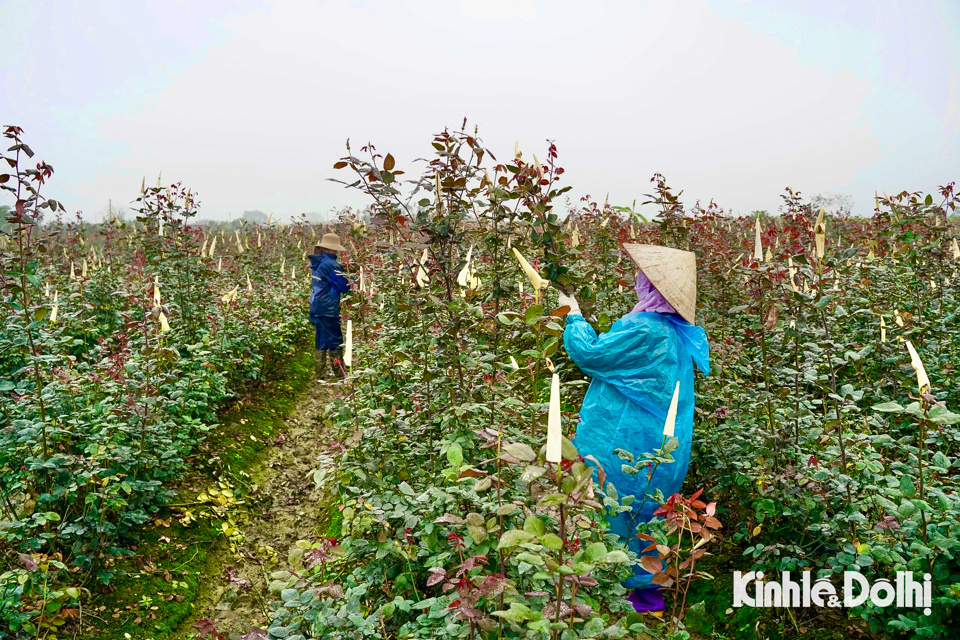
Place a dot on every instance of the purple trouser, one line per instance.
(646, 600)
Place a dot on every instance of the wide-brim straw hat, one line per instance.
(331, 241)
(672, 272)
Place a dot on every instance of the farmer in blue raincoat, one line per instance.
(635, 369)
(328, 283)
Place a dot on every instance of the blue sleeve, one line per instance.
(634, 349)
(338, 282)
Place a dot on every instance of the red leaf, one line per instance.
(651, 563)
(28, 562)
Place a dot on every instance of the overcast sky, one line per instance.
(250, 103)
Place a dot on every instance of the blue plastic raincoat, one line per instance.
(328, 283)
(635, 368)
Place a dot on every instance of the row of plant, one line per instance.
(120, 343)
(818, 443)
(812, 435)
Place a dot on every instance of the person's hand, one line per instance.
(569, 301)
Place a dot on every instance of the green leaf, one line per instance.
(906, 509)
(513, 537)
(942, 415)
(531, 473)
(508, 318)
(517, 613)
(520, 451)
(594, 551)
(534, 525)
(529, 558)
(455, 455)
(477, 534)
(533, 314)
(551, 541)
(889, 407)
(906, 487)
(553, 500)
(616, 556)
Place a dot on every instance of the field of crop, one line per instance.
(824, 437)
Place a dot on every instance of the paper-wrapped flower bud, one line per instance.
(757, 244)
(464, 275)
(532, 275)
(820, 234)
(923, 382)
(348, 348)
(670, 424)
(554, 431)
(421, 277)
(231, 295)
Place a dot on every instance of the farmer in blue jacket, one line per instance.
(635, 368)
(328, 283)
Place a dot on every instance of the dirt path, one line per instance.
(285, 507)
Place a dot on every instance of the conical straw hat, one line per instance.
(672, 272)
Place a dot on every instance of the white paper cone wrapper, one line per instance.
(348, 351)
(554, 434)
(671, 422)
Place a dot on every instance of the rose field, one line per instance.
(171, 468)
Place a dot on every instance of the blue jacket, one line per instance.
(328, 283)
(635, 367)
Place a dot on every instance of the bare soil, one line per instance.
(285, 506)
